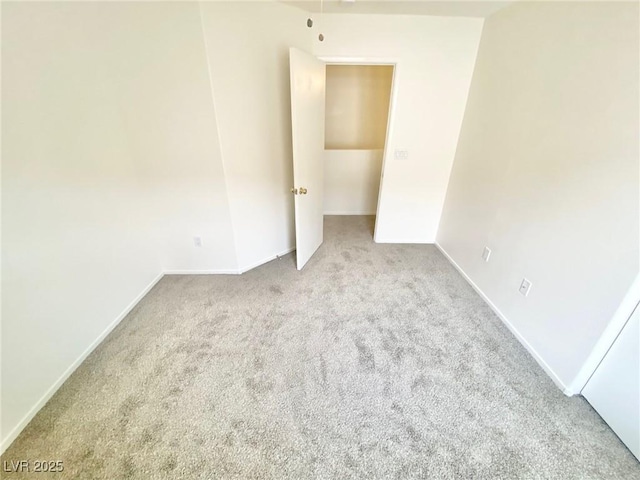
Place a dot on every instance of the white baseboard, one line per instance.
(238, 271)
(549, 371)
(265, 260)
(349, 213)
(6, 442)
(410, 241)
(203, 272)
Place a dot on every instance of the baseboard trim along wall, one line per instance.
(548, 370)
(411, 241)
(6, 442)
(266, 260)
(201, 272)
(238, 271)
(51, 391)
(349, 213)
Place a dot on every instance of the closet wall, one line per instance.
(357, 106)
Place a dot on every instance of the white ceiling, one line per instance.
(447, 8)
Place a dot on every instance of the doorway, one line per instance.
(359, 123)
(357, 105)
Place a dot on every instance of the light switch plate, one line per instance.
(525, 287)
(486, 254)
(400, 154)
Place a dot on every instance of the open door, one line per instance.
(307, 128)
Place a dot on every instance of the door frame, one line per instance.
(606, 340)
(383, 61)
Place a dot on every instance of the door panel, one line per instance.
(307, 124)
(614, 388)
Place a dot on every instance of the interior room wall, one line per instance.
(434, 59)
(167, 108)
(351, 181)
(248, 51)
(357, 110)
(110, 165)
(546, 174)
(357, 106)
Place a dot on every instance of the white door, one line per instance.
(614, 388)
(307, 123)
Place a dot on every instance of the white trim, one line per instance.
(330, 60)
(611, 332)
(202, 272)
(416, 241)
(349, 213)
(566, 390)
(266, 260)
(238, 271)
(6, 442)
(391, 116)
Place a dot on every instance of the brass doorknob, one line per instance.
(294, 191)
(303, 191)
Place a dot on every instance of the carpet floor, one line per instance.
(374, 362)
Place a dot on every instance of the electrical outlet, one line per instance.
(486, 254)
(525, 286)
(400, 154)
(197, 241)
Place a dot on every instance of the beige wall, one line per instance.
(357, 106)
(351, 181)
(547, 175)
(248, 52)
(130, 128)
(110, 166)
(356, 114)
(114, 159)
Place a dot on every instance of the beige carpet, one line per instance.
(374, 362)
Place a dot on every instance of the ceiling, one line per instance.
(447, 8)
